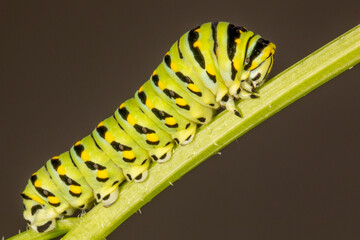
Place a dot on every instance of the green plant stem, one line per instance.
(290, 85)
(62, 227)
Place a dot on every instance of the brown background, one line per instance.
(63, 68)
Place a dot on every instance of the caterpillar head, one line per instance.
(259, 62)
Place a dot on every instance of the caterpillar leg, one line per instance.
(188, 139)
(109, 199)
(142, 177)
(229, 103)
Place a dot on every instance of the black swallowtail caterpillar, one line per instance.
(209, 67)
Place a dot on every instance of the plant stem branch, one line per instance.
(62, 227)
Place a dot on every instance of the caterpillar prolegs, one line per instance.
(209, 67)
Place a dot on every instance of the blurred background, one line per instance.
(65, 67)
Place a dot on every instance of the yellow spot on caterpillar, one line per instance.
(267, 51)
(193, 87)
(173, 67)
(149, 104)
(253, 66)
(77, 143)
(167, 53)
(122, 105)
(152, 137)
(75, 189)
(34, 174)
(181, 102)
(85, 156)
(60, 170)
(100, 124)
(102, 174)
(236, 64)
(197, 44)
(37, 199)
(210, 69)
(154, 72)
(108, 137)
(197, 30)
(128, 154)
(170, 121)
(131, 120)
(53, 200)
(265, 55)
(161, 85)
(37, 183)
(55, 157)
(238, 40)
(141, 89)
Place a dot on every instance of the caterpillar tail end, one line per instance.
(45, 227)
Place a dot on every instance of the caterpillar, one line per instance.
(210, 67)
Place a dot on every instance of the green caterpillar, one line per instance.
(210, 66)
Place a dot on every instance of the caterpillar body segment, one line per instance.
(146, 133)
(210, 66)
(180, 99)
(186, 77)
(121, 148)
(164, 115)
(72, 184)
(98, 169)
